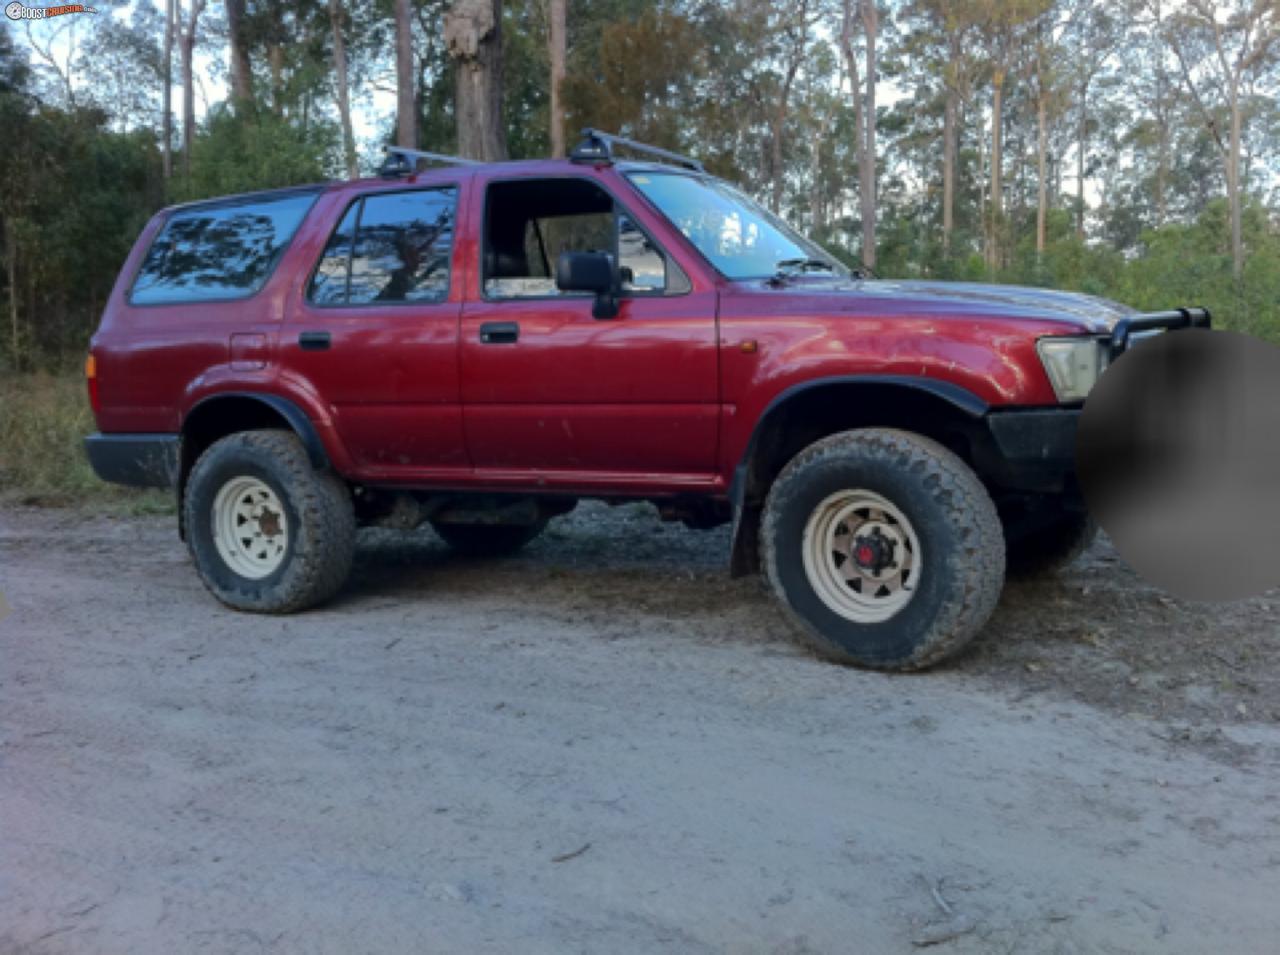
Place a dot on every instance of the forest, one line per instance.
(1124, 148)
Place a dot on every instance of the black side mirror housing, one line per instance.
(590, 272)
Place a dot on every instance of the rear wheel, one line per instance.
(266, 530)
(883, 548)
(488, 540)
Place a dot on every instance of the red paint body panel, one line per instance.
(660, 400)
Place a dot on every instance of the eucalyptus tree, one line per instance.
(1221, 47)
(473, 37)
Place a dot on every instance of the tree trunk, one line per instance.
(1082, 148)
(777, 125)
(556, 48)
(186, 49)
(867, 184)
(1233, 188)
(344, 92)
(275, 60)
(166, 123)
(473, 37)
(241, 68)
(11, 260)
(816, 215)
(1162, 157)
(406, 118)
(993, 224)
(855, 80)
(1042, 148)
(948, 170)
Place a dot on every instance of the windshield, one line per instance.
(741, 239)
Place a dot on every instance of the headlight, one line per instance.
(1072, 364)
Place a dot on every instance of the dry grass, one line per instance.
(43, 420)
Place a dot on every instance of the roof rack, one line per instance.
(402, 161)
(597, 146)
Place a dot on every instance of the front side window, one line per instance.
(218, 252)
(389, 248)
(741, 239)
(529, 222)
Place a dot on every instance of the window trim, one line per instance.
(618, 204)
(360, 198)
(224, 203)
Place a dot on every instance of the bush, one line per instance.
(43, 420)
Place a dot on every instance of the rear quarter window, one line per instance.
(218, 252)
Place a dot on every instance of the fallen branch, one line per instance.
(571, 855)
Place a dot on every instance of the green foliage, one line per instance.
(259, 150)
(73, 196)
(1191, 264)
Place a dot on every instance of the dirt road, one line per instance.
(605, 745)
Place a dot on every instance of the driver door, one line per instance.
(546, 387)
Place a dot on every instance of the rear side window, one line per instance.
(389, 248)
(221, 252)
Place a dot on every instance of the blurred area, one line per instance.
(1179, 459)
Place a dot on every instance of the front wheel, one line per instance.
(883, 548)
(266, 530)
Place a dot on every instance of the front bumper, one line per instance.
(1031, 450)
(136, 460)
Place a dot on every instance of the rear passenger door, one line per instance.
(376, 333)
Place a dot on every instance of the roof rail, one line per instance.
(597, 146)
(402, 161)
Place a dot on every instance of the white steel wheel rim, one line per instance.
(250, 527)
(841, 533)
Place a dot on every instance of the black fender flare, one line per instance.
(293, 415)
(743, 557)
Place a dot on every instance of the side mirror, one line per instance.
(590, 272)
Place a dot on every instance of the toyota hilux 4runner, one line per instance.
(479, 346)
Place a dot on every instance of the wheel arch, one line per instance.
(811, 410)
(217, 416)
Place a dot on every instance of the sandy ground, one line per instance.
(604, 745)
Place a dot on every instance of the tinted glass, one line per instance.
(329, 284)
(402, 248)
(740, 238)
(222, 252)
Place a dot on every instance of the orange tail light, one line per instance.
(91, 378)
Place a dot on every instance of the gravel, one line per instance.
(604, 744)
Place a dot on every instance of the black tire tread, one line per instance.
(968, 505)
(323, 505)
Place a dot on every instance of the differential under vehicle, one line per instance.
(480, 346)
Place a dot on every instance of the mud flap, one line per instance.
(744, 552)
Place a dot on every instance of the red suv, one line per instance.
(480, 346)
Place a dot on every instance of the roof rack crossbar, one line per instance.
(597, 145)
(401, 161)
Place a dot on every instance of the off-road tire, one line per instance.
(1051, 548)
(320, 523)
(488, 540)
(959, 533)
